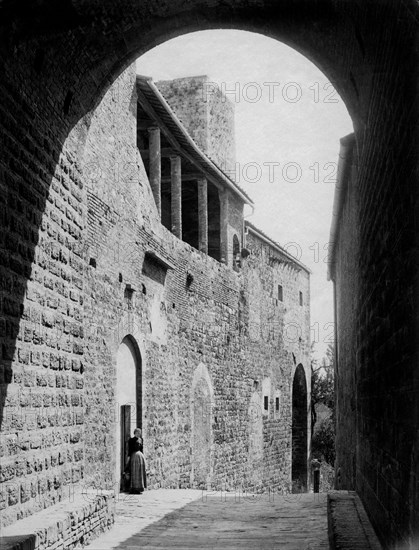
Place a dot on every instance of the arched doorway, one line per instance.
(128, 400)
(299, 431)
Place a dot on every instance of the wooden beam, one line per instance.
(155, 165)
(144, 123)
(176, 210)
(164, 152)
(193, 176)
(148, 109)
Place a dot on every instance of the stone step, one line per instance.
(348, 523)
(65, 525)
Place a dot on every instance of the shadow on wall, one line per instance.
(42, 265)
(24, 327)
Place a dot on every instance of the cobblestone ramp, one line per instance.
(191, 520)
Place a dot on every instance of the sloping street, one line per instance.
(192, 519)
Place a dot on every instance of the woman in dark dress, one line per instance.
(136, 465)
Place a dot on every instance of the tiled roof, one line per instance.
(278, 247)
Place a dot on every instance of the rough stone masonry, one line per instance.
(55, 68)
(114, 304)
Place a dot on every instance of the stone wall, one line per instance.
(234, 225)
(277, 337)
(42, 278)
(221, 128)
(206, 113)
(56, 65)
(94, 242)
(70, 524)
(376, 297)
(346, 283)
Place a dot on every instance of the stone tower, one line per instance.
(206, 113)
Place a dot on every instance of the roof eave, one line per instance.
(207, 161)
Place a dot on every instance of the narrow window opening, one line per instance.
(266, 402)
(280, 293)
(301, 299)
(189, 280)
(67, 102)
(277, 404)
(128, 296)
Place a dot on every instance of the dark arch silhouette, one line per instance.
(299, 431)
(125, 31)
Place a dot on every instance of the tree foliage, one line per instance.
(323, 380)
(323, 441)
(323, 391)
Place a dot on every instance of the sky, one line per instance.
(288, 123)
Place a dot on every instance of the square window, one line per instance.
(301, 299)
(266, 402)
(280, 293)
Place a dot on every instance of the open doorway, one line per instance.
(128, 401)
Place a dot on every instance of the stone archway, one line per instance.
(299, 431)
(56, 64)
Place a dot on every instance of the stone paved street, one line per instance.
(191, 519)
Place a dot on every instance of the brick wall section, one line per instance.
(42, 209)
(377, 308)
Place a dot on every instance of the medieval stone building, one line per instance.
(151, 302)
(58, 312)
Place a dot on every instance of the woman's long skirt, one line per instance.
(138, 480)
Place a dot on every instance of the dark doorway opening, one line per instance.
(299, 431)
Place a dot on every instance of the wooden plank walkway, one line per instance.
(188, 519)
